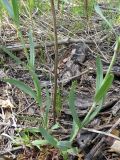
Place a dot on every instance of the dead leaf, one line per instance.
(115, 147)
(6, 104)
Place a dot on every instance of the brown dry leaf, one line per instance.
(8, 115)
(7, 111)
(115, 147)
(6, 104)
(115, 132)
(80, 156)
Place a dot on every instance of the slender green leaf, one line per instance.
(32, 49)
(93, 113)
(96, 111)
(74, 131)
(117, 45)
(51, 140)
(37, 86)
(16, 59)
(104, 88)
(98, 10)
(23, 43)
(32, 130)
(55, 126)
(39, 143)
(22, 86)
(99, 78)
(31, 4)
(8, 7)
(71, 100)
(15, 11)
(64, 145)
(116, 51)
(48, 104)
(58, 103)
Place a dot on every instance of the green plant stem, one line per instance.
(88, 114)
(111, 64)
(56, 60)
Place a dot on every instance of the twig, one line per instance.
(65, 81)
(66, 41)
(101, 132)
(56, 60)
(11, 150)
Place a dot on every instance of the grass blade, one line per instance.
(22, 86)
(39, 143)
(64, 145)
(51, 140)
(31, 4)
(16, 59)
(93, 113)
(15, 11)
(37, 86)
(8, 7)
(48, 104)
(99, 78)
(99, 11)
(58, 102)
(71, 100)
(104, 88)
(74, 131)
(32, 49)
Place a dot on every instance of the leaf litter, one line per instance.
(18, 112)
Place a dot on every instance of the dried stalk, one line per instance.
(86, 8)
(56, 60)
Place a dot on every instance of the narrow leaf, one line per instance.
(39, 143)
(93, 113)
(99, 78)
(51, 140)
(64, 145)
(74, 131)
(32, 49)
(117, 45)
(8, 7)
(48, 104)
(22, 86)
(71, 100)
(104, 88)
(15, 11)
(31, 4)
(37, 86)
(33, 130)
(16, 59)
(55, 126)
(98, 10)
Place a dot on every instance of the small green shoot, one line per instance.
(58, 103)
(32, 49)
(71, 100)
(50, 139)
(99, 11)
(46, 114)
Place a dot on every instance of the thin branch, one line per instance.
(66, 41)
(56, 60)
